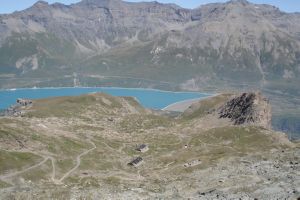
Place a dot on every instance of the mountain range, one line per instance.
(235, 42)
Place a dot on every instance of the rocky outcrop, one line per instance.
(248, 108)
(18, 109)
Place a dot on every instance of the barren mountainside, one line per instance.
(97, 146)
(87, 147)
(235, 45)
(249, 108)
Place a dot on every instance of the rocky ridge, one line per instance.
(248, 108)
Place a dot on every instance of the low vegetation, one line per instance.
(87, 142)
(205, 107)
(12, 161)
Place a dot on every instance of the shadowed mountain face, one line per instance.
(247, 108)
(235, 43)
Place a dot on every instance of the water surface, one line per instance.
(155, 99)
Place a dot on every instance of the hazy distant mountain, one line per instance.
(222, 44)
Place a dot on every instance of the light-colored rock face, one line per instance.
(30, 63)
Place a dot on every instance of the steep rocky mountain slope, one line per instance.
(248, 108)
(216, 47)
(237, 43)
(80, 147)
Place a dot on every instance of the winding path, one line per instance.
(53, 169)
(4, 177)
(78, 161)
(46, 158)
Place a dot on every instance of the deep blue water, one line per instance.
(155, 99)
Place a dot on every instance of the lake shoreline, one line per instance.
(181, 106)
(125, 88)
(149, 98)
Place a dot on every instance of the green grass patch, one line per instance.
(37, 174)
(64, 146)
(89, 182)
(103, 157)
(205, 106)
(243, 139)
(12, 161)
(63, 165)
(4, 184)
(72, 106)
(137, 122)
(112, 180)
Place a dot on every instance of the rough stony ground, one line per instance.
(79, 147)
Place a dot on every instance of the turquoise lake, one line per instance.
(155, 99)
